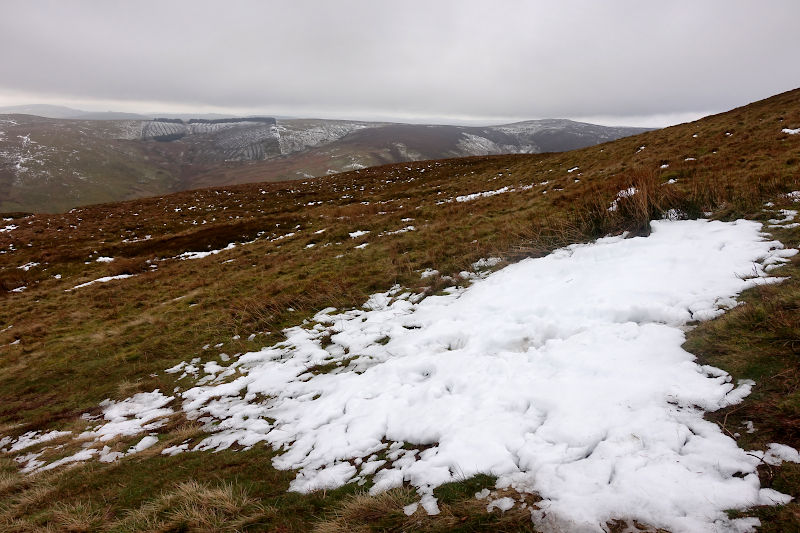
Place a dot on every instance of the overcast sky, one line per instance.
(615, 62)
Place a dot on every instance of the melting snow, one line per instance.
(790, 131)
(140, 412)
(31, 438)
(105, 279)
(398, 231)
(786, 221)
(486, 262)
(504, 504)
(788, 216)
(428, 273)
(486, 194)
(200, 255)
(624, 193)
(553, 374)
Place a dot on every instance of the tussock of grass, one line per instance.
(27, 498)
(383, 512)
(193, 506)
(79, 517)
(11, 481)
(188, 506)
(363, 513)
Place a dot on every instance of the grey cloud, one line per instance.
(462, 58)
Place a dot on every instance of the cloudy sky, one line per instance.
(447, 61)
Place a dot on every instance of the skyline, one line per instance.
(620, 63)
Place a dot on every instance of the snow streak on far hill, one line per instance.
(556, 374)
(253, 139)
(250, 139)
(54, 165)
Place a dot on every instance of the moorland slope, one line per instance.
(99, 301)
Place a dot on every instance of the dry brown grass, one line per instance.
(128, 265)
(383, 512)
(108, 340)
(79, 517)
(11, 481)
(196, 507)
(27, 498)
(189, 506)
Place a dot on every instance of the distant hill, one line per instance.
(42, 110)
(54, 164)
(55, 111)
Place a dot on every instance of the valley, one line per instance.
(49, 165)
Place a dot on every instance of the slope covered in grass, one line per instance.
(284, 252)
(50, 165)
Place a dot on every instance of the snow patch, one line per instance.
(201, 255)
(28, 266)
(503, 504)
(485, 263)
(104, 279)
(553, 374)
(141, 412)
(31, 438)
(485, 194)
(624, 193)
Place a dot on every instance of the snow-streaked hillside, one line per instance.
(595, 404)
(80, 162)
(248, 141)
(297, 135)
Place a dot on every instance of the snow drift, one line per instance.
(562, 375)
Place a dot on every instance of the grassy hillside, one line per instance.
(64, 349)
(51, 165)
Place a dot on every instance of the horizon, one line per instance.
(655, 121)
(460, 63)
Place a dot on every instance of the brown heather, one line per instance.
(110, 340)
